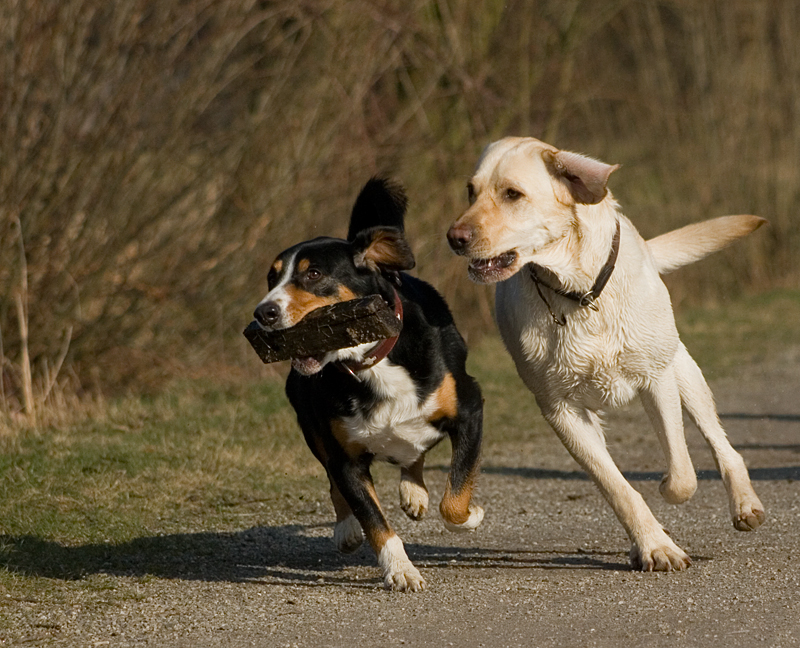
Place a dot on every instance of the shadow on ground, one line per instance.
(305, 555)
(290, 553)
(756, 474)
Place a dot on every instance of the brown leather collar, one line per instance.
(583, 299)
(379, 351)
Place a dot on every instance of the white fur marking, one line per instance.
(398, 572)
(472, 523)
(347, 534)
(279, 296)
(397, 427)
(413, 499)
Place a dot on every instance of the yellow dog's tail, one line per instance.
(696, 241)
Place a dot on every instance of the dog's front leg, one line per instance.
(466, 431)
(580, 431)
(354, 482)
(347, 534)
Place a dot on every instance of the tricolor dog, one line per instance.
(588, 321)
(391, 401)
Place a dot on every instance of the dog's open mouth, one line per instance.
(494, 269)
(307, 366)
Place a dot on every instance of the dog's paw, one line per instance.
(413, 499)
(347, 534)
(407, 579)
(398, 572)
(474, 519)
(749, 517)
(664, 555)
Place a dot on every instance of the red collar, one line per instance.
(379, 351)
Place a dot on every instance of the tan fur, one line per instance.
(387, 251)
(561, 220)
(301, 302)
(445, 399)
(455, 507)
(341, 433)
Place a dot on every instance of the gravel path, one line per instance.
(547, 568)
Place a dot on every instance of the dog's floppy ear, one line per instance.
(585, 178)
(383, 249)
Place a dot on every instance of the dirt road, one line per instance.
(547, 568)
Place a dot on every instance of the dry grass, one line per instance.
(157, 155)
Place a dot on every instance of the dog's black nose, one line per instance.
(459, 237)
(267, 313)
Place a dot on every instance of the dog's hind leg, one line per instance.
(580, 431)
(662, 402)
(746, 509)
(413, 493)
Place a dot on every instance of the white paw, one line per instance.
(748, 515)
(474, 519)
(413, 499)
(407, 579)
(398, 572)
(347, 535)
(661, 554)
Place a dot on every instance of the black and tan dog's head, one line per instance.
(326, 271)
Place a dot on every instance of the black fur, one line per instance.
(381, 203)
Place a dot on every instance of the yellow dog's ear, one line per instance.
(383, 249)
(584, 178)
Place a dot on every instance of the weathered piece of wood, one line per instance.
(342, 325)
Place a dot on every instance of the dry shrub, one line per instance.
(157, 155)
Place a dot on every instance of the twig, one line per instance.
(3, 403)
(25, 361)
(53, 375)
(22, 317)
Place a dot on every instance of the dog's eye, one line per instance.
(513, 194)
(313, 274)
(470, 193)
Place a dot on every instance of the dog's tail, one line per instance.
(381, 203)
(694, 242)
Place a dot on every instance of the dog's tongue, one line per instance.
(306, 366)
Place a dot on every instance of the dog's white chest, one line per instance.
(397, 428)
(581, 362)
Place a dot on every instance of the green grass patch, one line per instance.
(754, 329)
(76, 502)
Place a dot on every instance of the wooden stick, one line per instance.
(339, 326)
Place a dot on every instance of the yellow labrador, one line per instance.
(585, 315)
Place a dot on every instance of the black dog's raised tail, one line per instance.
(381, 203)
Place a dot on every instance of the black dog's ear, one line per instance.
(382, 249)
(381, 203)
